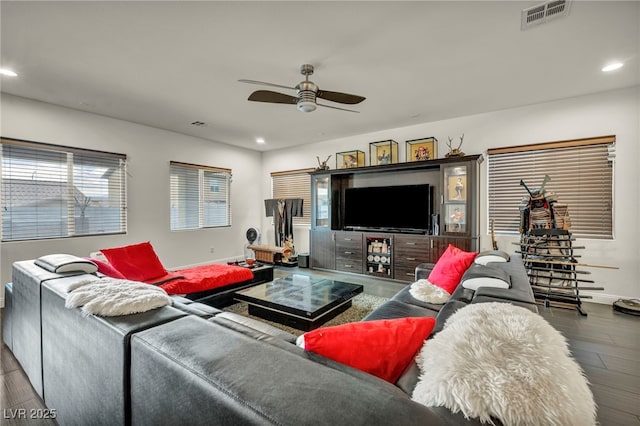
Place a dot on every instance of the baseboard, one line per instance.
(601, 298)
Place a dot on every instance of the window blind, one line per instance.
(200, 196)
(294, 184)
(581, 173)
(52, 191)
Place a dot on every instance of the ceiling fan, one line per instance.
(307, 92)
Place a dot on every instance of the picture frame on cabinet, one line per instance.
(422, 149)
(455, 220)
(383, 152)
(350, 159)
(457, 188)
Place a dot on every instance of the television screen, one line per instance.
(402, 208)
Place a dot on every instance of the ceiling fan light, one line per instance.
(306, 106)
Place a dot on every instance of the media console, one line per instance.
(389, 251)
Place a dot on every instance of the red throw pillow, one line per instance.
(449, 269)
(137, 262)
(383, 348)
(106, 269)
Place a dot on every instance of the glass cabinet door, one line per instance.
(455, 197)
(322, 202)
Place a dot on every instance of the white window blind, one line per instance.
(581, 173)
(51, 191)
(200, 196)
(294, 184)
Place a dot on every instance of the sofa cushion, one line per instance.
(195, 308)
(63, 263)
(485, 276)
(392, 309)
(383, 348)
(449, 309)
(531, 306)
(450, 267)
(107, 269)
(137, 262)
(488, 256)
(251, 327)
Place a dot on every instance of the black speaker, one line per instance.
(435, 224)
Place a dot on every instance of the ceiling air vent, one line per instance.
(541, 13)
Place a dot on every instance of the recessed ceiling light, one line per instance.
(8, 72)
(260, 140)
(612, 66)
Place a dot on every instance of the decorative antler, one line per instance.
(454, 152)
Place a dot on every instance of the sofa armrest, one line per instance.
(423, 270)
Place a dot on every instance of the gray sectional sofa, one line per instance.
(193, 364)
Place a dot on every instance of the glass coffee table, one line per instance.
(299, 301)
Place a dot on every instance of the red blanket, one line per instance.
(206, 277)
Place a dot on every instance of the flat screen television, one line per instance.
(404, 208)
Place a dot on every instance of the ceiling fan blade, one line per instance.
(333, 107)
(343, 98)
(272, 97)
(262, 83)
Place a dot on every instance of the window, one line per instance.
(51, 191)
(200, 196)
(581, 173)
(294, 184)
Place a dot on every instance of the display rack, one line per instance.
(550, 259)
(378, 256)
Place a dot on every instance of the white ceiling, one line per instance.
(166, 64)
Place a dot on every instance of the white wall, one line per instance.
(149, 151)
(615, 112)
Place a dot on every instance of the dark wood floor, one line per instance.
(605, 343)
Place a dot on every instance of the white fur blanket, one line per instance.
(428, 292)
(113, 297)
(503, 361)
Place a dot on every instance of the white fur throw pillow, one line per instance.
(503, 361)
(110, 297)
(428, 292)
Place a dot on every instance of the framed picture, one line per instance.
(383, 152)
(350, 159)
(455, 220)
(457, 188)
(422, 149)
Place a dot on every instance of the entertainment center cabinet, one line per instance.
(450, 217)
